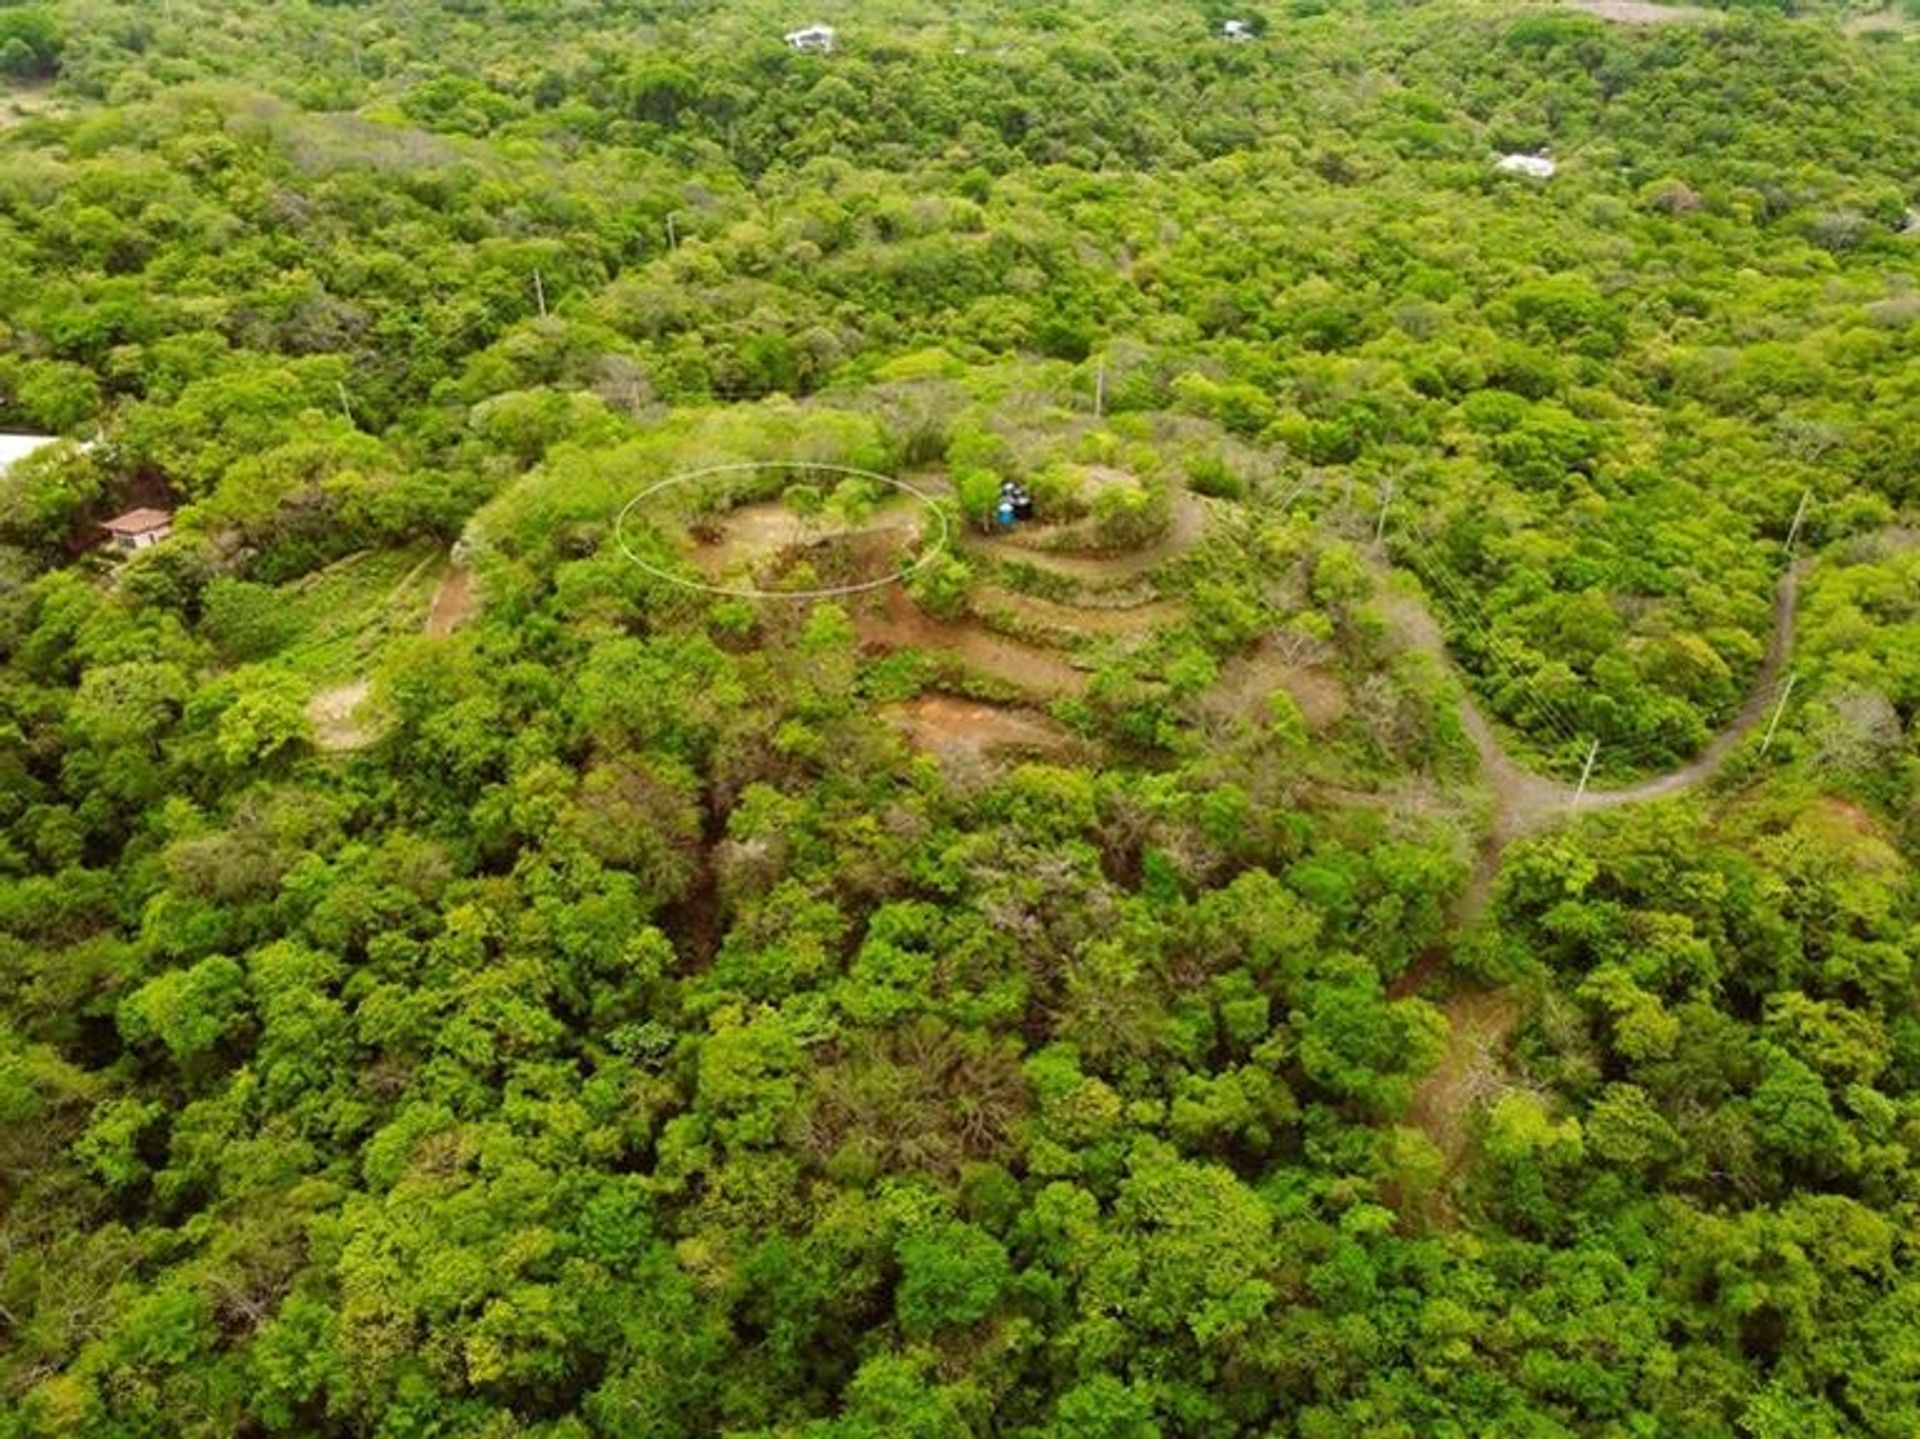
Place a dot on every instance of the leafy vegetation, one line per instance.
(455, 980)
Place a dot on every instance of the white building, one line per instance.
(139, 529)
(1236, 30)
(1538, 167)
(15, 448)
(815, 38)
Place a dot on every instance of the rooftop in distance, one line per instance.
(1538, 166)
(817, 38)
(137, 529)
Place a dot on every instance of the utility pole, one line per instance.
(1800, 514)
(345, 408)
(540, 293)
(1100, 390)
(1586, 773)
(673, 240)
(1386, 500)
(1778, 710)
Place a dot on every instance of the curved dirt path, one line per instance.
(1476, 1067)
(1188, 521)
(1786, 604)
(896, 623)
(1523, 800)
(1053, 617)
(454, 602)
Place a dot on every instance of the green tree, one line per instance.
(950, 1276)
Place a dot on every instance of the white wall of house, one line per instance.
(1537, 166)
(146, 539)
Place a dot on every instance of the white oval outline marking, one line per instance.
(932, 552)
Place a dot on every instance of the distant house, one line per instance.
(817, 39)
(1539, 167)
(138, 529)
(1236, 31)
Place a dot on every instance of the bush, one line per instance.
(1131, 515)
(940, 586)
(1211, 475)
(246, 621)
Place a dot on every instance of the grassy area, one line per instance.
(347, 612)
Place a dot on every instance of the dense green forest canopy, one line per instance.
(1114, 983)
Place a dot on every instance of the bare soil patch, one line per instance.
(1852, 815)
(339, 720)
(1247, 682)
(1638, 12)
(454, 602)
(953, 728)
(1472, 1073)
(743, 537)
(1880, 22)
(894, 622)
(1859, 831)
(28, 102)
(754, 541)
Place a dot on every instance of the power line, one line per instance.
(1636, 750)
(1786, 691)
(1563, 723)
(1503, 656)
(1793, 531)
(1586, 773)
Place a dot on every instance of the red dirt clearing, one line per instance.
(953, 728)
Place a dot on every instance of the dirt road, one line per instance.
(1525, 801)
(453, 603)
